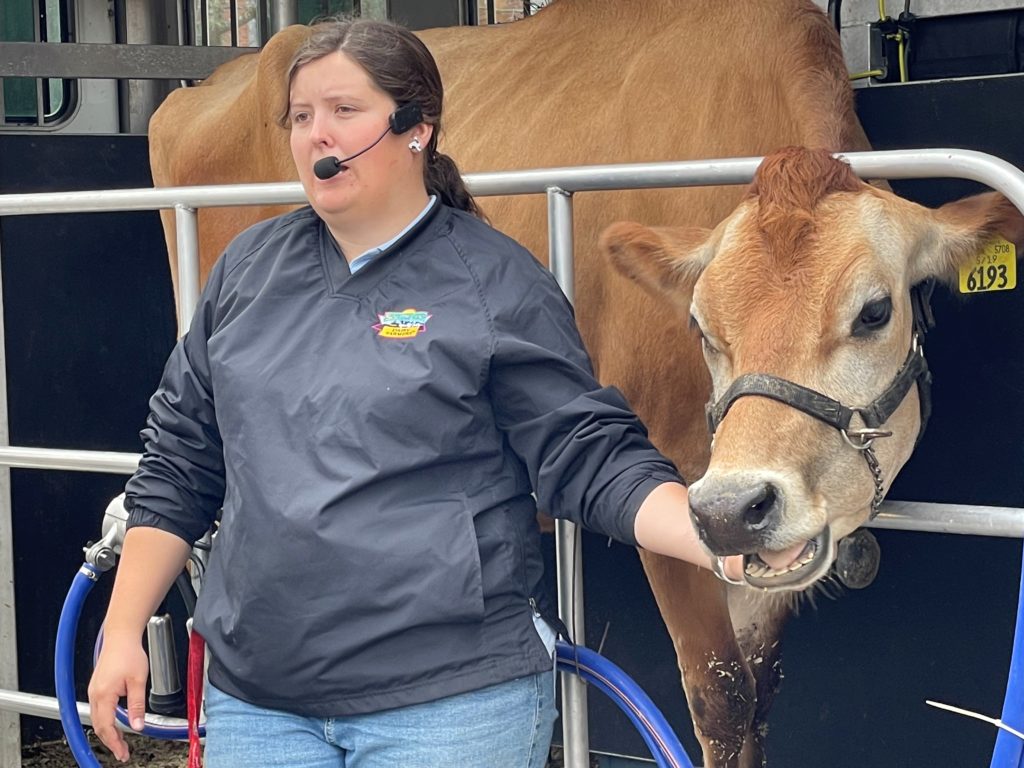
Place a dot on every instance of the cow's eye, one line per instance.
(705, 343)
(707, 346)
(873, 315)
(695, 326)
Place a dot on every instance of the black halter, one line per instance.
(835, 414)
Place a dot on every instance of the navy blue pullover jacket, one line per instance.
(374, 440)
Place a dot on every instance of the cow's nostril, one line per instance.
(756, 516)
(735, 515)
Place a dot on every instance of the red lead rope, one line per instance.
(196, 653)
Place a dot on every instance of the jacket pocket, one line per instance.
(431, 573)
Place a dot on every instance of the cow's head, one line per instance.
(808, 281)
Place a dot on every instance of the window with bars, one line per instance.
(504, 11)
(35, 101)
(243, 23)
(314, 9)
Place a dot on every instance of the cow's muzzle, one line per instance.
(741, 515)
(734, 516)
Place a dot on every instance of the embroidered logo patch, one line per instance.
(402, 325)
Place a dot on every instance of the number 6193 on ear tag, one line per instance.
(994, 269)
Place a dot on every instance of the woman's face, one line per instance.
(335, 109)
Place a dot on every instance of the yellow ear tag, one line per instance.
(994, 269)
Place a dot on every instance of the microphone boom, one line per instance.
(329, 167)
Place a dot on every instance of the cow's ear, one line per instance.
(661, 259)
(271, 87)
(958, 231)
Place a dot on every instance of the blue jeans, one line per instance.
(503, 726)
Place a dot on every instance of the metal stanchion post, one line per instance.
(569, 560)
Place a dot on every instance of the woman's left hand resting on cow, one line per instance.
(371, 390)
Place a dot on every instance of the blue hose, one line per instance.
(1009, 750)
(645, 716)
(64, 666)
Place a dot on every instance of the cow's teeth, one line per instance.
(759, 569)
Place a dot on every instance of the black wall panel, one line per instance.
(89, 319)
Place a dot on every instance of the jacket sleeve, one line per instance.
(179, 485)
(587, 453)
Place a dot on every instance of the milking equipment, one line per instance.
(166, 692)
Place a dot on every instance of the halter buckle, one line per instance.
(864, 438)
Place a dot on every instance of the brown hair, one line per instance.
(400, 65)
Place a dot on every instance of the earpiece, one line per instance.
(405, 117)
(415, 145)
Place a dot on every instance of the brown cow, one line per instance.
(606, 81)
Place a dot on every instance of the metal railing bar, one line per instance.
(10, 724)
(151, 199)
(76, 461)
(568, 546)
(186, 224)
(891, 164)
(41, 706)
(967, 519)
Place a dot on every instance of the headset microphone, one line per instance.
(400, 121)
(328, 167)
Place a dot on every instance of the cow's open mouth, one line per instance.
(808, 564)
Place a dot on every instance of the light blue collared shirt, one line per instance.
(366, 257)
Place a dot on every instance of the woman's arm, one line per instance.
(172, 501)
(150, 561)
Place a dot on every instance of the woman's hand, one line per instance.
(122, 670)
(664, 525)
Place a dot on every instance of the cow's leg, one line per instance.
(758, 619)
(719, 686)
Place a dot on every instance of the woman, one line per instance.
(372, 388)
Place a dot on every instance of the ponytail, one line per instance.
(443, 179)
